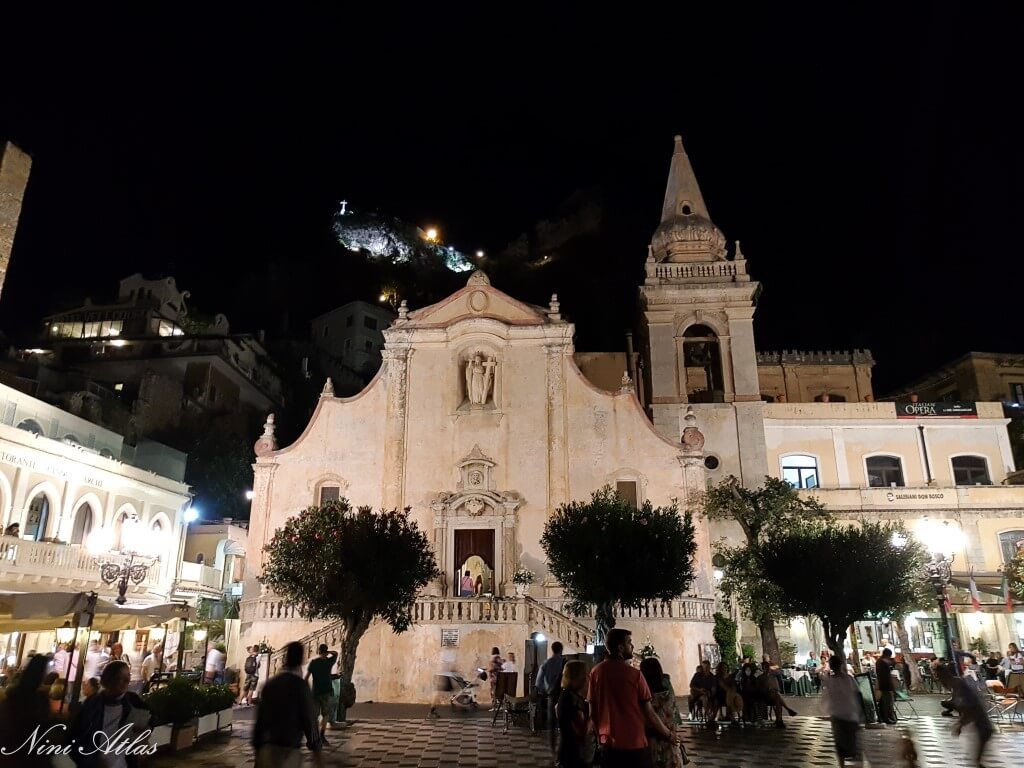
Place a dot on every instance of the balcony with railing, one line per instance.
(42, 564)
(201, 580)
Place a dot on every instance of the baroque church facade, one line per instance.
(481, 422)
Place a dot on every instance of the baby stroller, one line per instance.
(463, 692)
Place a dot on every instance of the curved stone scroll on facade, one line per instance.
(476, 505)
(267, 442)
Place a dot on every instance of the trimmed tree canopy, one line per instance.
(843, 573)
(337, 563)
(606, 551)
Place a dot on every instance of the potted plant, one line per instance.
(264, 651)
(522, 579)
(175, 707)
(218, 702)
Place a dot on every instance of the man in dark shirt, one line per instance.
(323, 687)
(967, 702)
(549, 683)
(284, 716)
(883, 671)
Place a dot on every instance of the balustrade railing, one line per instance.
(688, 271)
(546, 614)
(59, 562)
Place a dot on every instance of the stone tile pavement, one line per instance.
(405, 742)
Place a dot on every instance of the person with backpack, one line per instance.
(252, 676)
(549, 684)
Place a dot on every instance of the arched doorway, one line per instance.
(36, 518)
(474, 554)
(702, 361)
(83, 524)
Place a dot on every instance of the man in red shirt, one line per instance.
(620, 706)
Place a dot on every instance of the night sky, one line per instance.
(871, 164)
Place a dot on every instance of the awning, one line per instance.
(44, 611)
(989, 582)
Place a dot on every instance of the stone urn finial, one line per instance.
(403, 310)
(693, 438)
(267, 442)
(328, 390)
(627, 384)
(554, 307)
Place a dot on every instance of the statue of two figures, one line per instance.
(479, 379)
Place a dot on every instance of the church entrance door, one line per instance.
(474, 552)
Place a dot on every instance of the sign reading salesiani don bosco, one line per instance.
(908, 410)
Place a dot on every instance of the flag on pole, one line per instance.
(946, 603)
(975, 598)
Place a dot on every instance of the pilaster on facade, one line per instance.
(396, 364)
(558, 463)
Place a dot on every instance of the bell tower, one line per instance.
(697, 315)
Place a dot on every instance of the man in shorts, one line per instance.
(252, 675)
(323, 687)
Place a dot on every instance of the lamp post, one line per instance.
(942, 541)
(134, 544)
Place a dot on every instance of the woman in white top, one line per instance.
(1014, 670)
(510, 665)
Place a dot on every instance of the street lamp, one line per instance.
(942, 540)
(135, 544)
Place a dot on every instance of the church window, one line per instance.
(1009, 544)
(329, 493)
(627, 491)
(349, 320)
(884, 471)
(370, 322)
(800, 471)
(703, 361)
(832, 398)
(686, 209)
(323, 333)
(711, 463)
(970, 470)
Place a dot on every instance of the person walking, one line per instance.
(664, 754)
(841, 704)
(95, 660)
(493, 668)
(886, 690)
(251, 667)
(510, 663)
(323, 687)
(620, 707)
(285, 716)
(967, 703)
(549, 684)
(215, 658)
(576, 738)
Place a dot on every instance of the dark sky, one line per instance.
(871, 163)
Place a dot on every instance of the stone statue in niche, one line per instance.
(479, 379)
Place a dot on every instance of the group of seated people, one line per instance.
(745, 693)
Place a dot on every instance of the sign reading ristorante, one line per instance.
(908, 410)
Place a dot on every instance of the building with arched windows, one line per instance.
(483, 421)
(64, 480)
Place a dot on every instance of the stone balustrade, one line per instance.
(53, 563)
(546, 614)
(716, 269)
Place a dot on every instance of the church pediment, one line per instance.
(479, 299)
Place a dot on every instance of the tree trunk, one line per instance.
(604, 615)
(350, 638)
(914, 683)
(769, 641)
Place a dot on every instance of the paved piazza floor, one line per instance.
(378, 739)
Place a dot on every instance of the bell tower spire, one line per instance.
(697, 317)
(682, 190)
